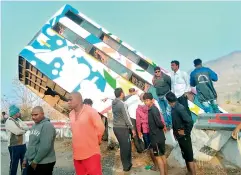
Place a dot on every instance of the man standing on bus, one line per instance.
(162, 83)
(87, 130)
(202, 78)
(180, 85)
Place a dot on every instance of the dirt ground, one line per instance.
(217, 166)
(112, 166)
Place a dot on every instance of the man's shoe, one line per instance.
(128, 169)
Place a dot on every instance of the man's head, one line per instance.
(171, 98)
(175, 65)
(14, 111)
(141, 97)
(119, 93)
(132, 91)
(197, 62)
(88, 101)
(148, 99)
(3, 113)
(75, 100)
(37, 114)
(157, 71)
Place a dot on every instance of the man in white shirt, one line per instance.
(16, 145)
(132, 101)
(180, 84)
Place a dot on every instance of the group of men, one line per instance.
(144, 120)
(135, 116)
(149, 124)
(38, 156)
(180, 84)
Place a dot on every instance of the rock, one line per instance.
(231, 152)
(175, 158)
(199, 138)
(218, 139)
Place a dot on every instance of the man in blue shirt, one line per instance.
(202, 78)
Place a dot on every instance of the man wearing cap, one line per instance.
(202, 78)
(16, 143)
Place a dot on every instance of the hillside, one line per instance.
(228, 87)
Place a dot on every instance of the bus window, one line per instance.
(110, 41)
(150, 69)
(59, 28)
(124, 51)
(91, 28)
(111, 63)
(133, 57)
(119, 68)
(70, 35)
(143, 64)
(103, 58)
(66, 32)
(74, 17)
(84, 24)
(139, 82)
(84, 44)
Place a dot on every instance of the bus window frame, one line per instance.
(112, 39)
(130, 73)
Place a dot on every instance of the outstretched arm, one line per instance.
(236, 131)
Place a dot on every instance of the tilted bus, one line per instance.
(73, 53)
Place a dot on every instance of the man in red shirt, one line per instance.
(87, 130)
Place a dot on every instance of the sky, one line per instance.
(162, 31)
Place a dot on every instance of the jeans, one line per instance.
(166, 111)
(210, 106)
(16, 154)
(147, 141)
